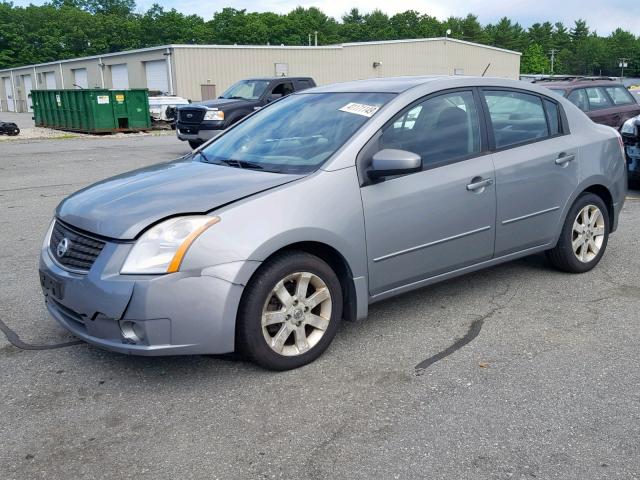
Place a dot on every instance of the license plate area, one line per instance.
(51, 286)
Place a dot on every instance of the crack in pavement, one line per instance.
(15, 340)
(472, 333)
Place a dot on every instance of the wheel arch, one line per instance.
(337, 262)
(604, 193)
(596, 187)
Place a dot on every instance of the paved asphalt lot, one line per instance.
(549, 388)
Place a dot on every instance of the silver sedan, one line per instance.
(309, 210)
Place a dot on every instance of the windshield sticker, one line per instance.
(360, 109)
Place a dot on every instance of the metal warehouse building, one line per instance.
(201, 72)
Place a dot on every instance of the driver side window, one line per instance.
(441, 129)
(282, 89)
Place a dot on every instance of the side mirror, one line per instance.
(390, 162)
(274, 96)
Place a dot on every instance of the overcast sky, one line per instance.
(602, 15)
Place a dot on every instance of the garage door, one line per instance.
(50, 80)
(9, 94)
(119, 76)
(28, 86)
(80, 77)
(157, 77)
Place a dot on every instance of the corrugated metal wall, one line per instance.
(223, 66)
(193, 66)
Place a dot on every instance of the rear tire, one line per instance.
(289, 312)
(195, 143)
(584, 236)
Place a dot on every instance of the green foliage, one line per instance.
(534, 60)
(72, 28)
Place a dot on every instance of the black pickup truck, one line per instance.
(198, 122)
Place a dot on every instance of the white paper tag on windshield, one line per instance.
(360, 109)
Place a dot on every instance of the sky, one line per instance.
(604, 16)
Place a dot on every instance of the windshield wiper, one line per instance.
(243, 164)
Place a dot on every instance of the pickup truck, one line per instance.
(198, 122)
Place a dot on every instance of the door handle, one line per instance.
(478, 183)
(565, 158)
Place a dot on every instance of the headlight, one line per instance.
(162, 248)
(629, 127)
(214, 115)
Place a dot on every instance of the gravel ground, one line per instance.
(28, 130)
(541, 379)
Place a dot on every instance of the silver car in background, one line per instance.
(324, 202)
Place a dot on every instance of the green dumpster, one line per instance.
(92, 110)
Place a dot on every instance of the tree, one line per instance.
(534, 60)
(72, 28)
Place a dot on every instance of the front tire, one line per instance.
(584, 236)
(195, 143)
(290, 311)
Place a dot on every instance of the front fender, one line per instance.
(324, 207)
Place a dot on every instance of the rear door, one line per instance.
(601, 108)
(536, 167)
(625, 105)
(441, 218)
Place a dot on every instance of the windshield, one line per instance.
(249, 89)
(296, 134)
(559, 91)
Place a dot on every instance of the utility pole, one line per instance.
(553, 52)
(623, 63)
(309, 39)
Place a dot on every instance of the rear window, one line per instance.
(620, 95)
(304, 84)
(579, 99)
(597, 98)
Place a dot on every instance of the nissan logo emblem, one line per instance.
(63, 247)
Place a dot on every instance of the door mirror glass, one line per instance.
(274, 96)
(390, 162)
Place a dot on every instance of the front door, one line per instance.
(441, 218)
(536, 166)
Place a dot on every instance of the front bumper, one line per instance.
(173, 314)
(203, 131)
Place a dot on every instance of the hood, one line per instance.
(221, 102)
(121, 207)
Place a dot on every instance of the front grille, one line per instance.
(191, 115)
(81, 250)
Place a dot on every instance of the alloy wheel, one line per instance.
(296, 314)
(588, 233)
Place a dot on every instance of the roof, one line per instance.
(575, 81)
(438, 82)
(297, 77)
(267, 47)
(379, 85)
